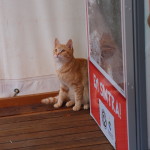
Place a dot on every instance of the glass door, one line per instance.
(119, 52)
(107, 69)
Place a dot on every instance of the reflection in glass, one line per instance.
(106, 37)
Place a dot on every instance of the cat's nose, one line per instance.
(56, 55)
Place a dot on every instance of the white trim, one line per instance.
(29, 85)
(87, 30)
(107, 77)
(123, 43)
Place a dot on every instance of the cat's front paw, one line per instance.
(76, 108)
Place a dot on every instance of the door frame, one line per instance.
(136, 74)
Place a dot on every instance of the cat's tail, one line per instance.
(50, 100)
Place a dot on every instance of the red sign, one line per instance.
(102, 91)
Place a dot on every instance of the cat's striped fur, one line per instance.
(73, 76)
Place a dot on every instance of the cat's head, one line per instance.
(63, 52)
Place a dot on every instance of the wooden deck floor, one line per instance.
(49, 130)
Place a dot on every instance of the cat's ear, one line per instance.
(56, 42)
(70, 44)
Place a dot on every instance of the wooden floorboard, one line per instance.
(26, 124)
(51, 130)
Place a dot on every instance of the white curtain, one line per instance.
(27, 32)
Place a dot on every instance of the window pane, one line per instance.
(105, 36)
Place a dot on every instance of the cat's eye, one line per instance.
(62, 50)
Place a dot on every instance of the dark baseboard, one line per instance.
(25, 104)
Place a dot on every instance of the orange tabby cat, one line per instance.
(73, 76)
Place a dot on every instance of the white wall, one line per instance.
(147, 50)
(27, 32)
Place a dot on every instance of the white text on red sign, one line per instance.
(107, 96)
